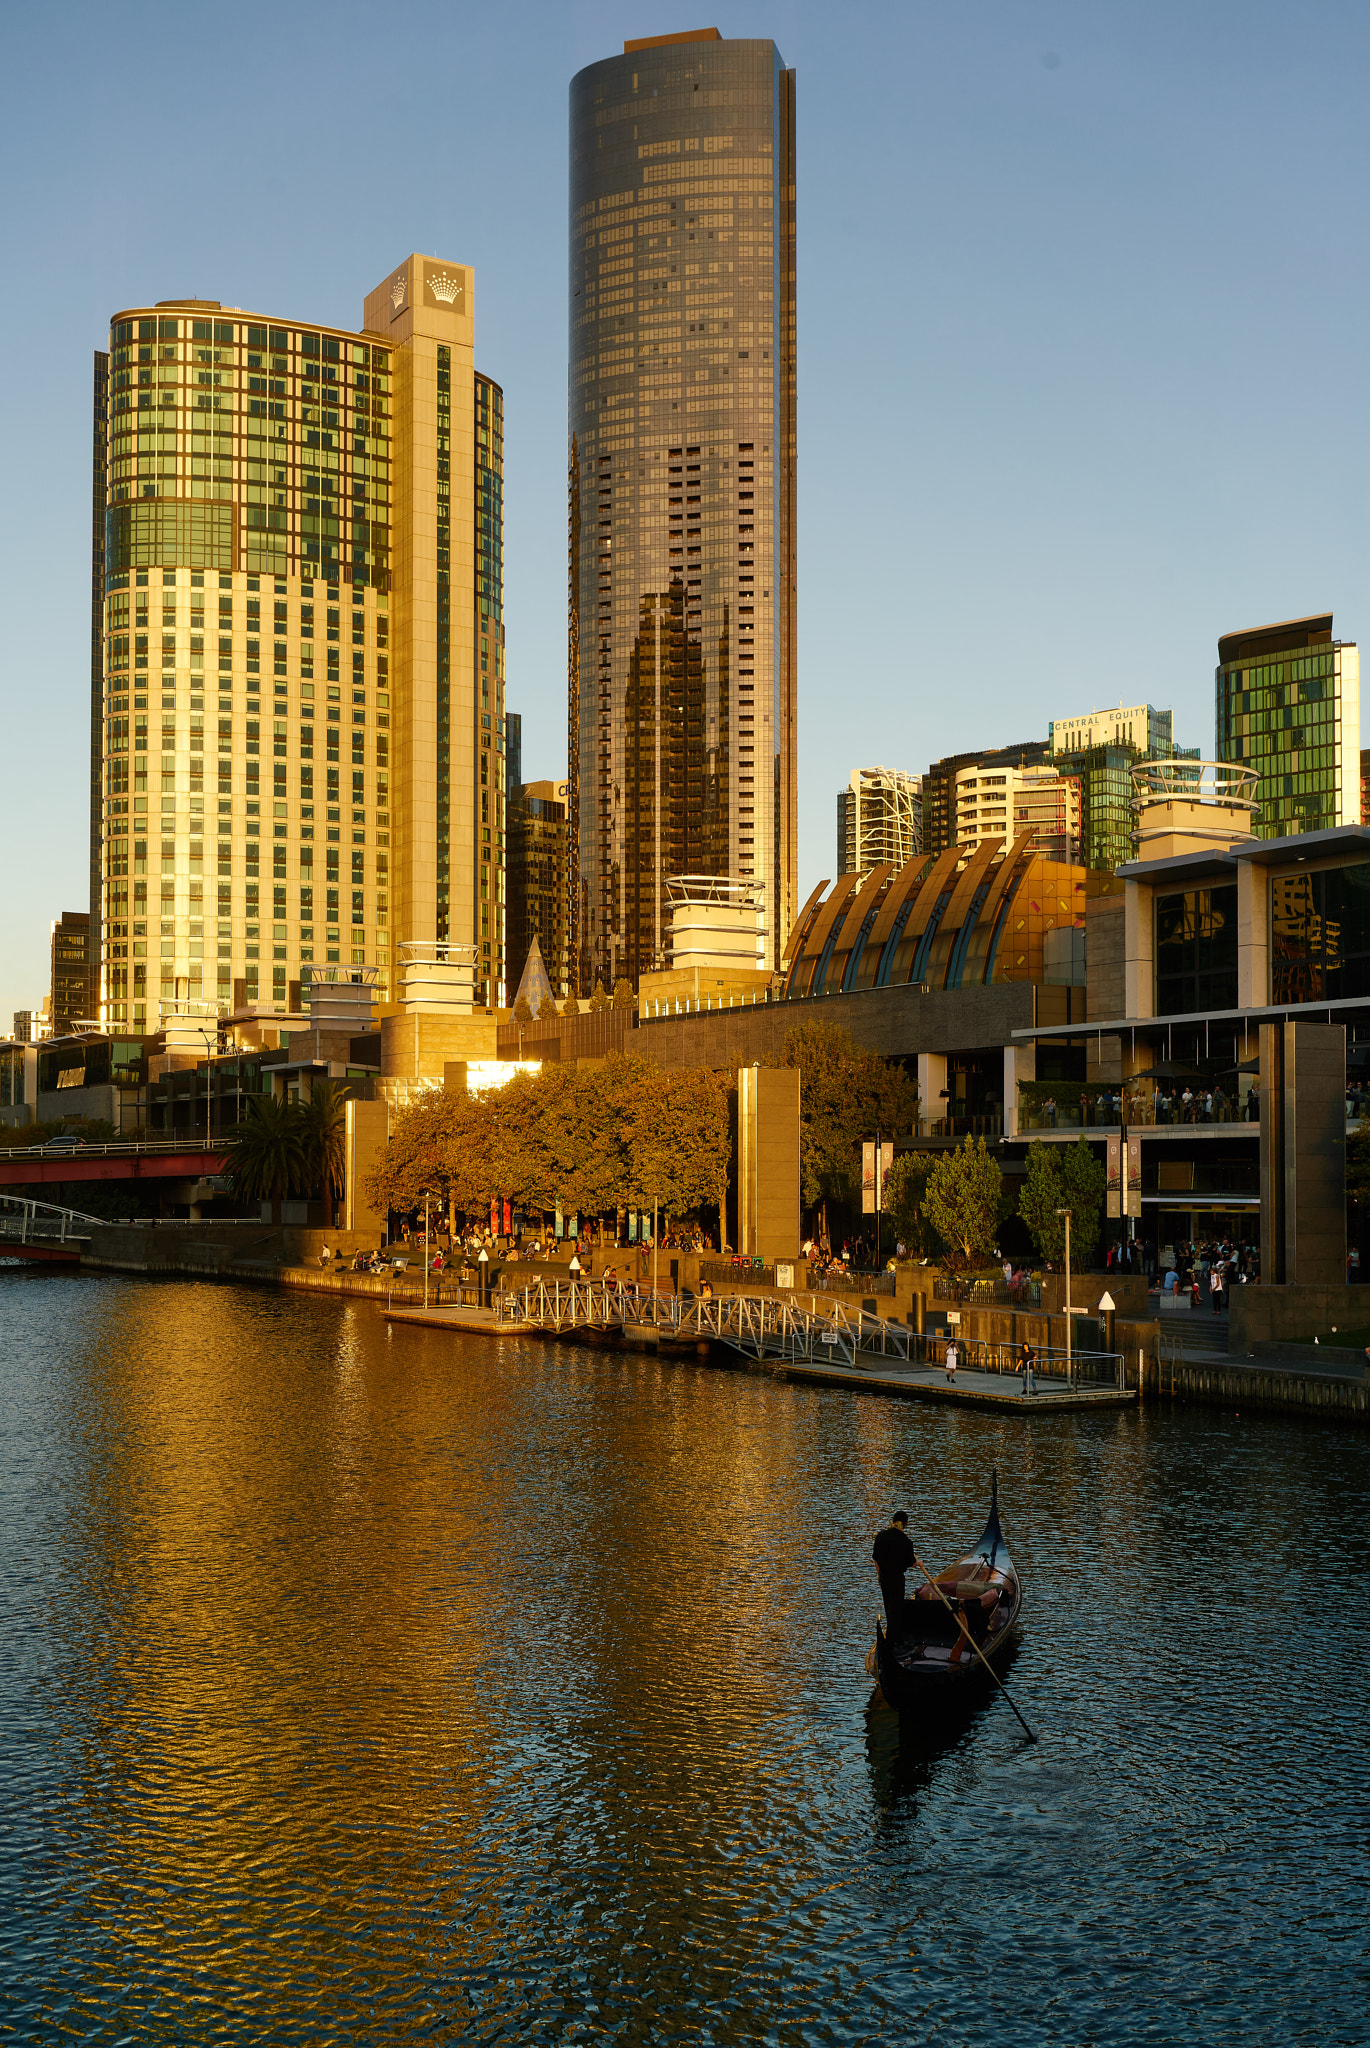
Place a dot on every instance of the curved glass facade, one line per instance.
(998, 912)
(681, 491)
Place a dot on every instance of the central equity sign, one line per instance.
(399, 287)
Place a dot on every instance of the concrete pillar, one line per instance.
(1139, 957)
(768, 1162)
(1020, 1064)
(932, 1081)
(368, 1126)
(1253, 935)
(1303, 1154)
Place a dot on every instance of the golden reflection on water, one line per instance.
(373, 1685)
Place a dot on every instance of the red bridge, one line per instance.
(153, 1159)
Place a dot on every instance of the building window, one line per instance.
(1320, 935)
(1196, 951)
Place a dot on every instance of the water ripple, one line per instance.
(371, 1687)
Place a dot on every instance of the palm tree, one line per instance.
(323, 1134)
(266, 1159)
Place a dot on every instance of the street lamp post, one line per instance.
(1065, 1213)
(483, 1261)
(426, 1199)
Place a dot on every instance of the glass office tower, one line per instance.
(1288, 705)
(300, 670)
(682, 477)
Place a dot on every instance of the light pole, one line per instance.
(655, 1233)
(426, 1199)
(483, 1261)
(1065, 1213)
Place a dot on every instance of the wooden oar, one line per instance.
(960, 1621)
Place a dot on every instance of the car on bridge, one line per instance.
(65, 1141)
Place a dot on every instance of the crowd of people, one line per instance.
(1107, 1107)
(1205, 1272)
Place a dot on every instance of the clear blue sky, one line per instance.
(1082, 319)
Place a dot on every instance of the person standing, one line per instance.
(893, 1554)
(952, 1362)
(1215, 1287)
(1026, 1359)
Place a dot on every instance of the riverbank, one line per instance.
(1284, 1378)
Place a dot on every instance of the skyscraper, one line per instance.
(681, 652)
(274, 494)
(1288, 705)
(946, 790)
(879, 818)
(537, 882)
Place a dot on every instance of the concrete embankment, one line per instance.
(1280, 1383)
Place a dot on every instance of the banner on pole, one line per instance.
(1114, 1174)
(876, 1162)
(1134, 1176)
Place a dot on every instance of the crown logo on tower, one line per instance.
(397, 292)
(446, 287)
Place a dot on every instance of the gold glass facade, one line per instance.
(293, 740)
(681, 491)
(996, 911)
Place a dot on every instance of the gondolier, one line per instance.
(893, 1554)
(961, 1620)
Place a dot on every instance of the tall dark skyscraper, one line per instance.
(682, 717)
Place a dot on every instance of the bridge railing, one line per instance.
(113, 1148)
(25, 1222)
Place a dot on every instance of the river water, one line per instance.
(381, 1686)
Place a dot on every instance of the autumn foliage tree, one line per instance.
(596, 1140)
(846, 1094)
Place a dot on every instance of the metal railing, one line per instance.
(120, 1147)
(24, 1222)
(988, 1292)
(766, 1328)
(1107, 1113)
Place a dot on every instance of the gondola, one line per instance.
(928, 1663)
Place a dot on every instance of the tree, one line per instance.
(679, 1141)
(846, 1094)
(1083, 1181)
(1062, 1177)
(572, 1007)
(623, 997)
(599, 1001)
(906, 1192)
(547, 1008)
(962, 1204)
(323, 1137)
(594, 1139)
(265, 1154)
(523, 1011)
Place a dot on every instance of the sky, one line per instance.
(1082, 297)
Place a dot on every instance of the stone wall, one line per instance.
(898, 1022)
(1296, 1314)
